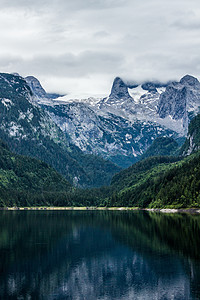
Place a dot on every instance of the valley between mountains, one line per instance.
(138, 146)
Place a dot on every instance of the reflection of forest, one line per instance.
(118, 255)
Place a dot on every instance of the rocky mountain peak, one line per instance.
(190, 81)
(119, 89)
(38, 91)
(36, 86)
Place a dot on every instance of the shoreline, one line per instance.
(159, 210)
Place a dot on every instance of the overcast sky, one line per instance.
(80, 46)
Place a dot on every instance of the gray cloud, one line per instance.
(92, 41)
(190, 23)
(68, 64)
(61, 4)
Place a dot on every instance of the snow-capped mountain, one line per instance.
(123, 125)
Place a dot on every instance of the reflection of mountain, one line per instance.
(123, 274)
(98, 255)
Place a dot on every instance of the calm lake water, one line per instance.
(99, 255)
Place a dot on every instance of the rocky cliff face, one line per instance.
(180, 99)
(192, 142)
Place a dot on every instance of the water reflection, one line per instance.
(99, 255)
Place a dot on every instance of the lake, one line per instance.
(99, 255)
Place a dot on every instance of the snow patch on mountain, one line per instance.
(136, 93)
(6, 102)
(83, 97)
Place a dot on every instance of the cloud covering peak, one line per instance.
(84, 45)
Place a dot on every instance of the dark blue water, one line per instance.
(99, 255)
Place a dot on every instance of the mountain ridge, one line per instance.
(123, 125)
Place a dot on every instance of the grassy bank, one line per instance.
(164, 210)
(69, 208)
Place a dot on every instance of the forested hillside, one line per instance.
(26, 181)
(158, 182)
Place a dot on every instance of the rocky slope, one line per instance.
(108, 135)
(123, 125)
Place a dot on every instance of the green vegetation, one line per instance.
(159, 182)
(26, 182)
(162, 146)
(155, 182)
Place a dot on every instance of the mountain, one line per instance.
(29, 130)
(26, 181)
(122, 126)
(119, 128)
